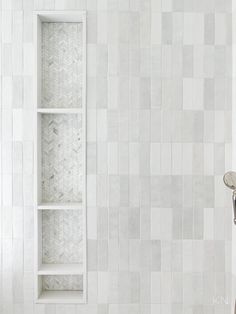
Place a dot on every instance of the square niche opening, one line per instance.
(61, 158)
(62, 67)
(62, 237)
(62, 283)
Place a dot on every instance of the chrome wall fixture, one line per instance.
(230, 181)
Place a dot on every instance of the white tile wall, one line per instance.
(159, 141)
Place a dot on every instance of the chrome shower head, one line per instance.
(230, 180)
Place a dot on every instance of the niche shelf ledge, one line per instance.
(60, 206)
(60, 110)
(61, 297)
(60, 269)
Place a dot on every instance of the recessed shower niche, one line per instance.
(60, 157)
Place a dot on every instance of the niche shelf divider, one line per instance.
(60, 157)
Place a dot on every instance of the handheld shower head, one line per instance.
(230, 181)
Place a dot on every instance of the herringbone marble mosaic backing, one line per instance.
(61, 65)
(62, 282)
(61, 158)
(62, 232)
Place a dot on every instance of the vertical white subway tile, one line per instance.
(188, 93)
(134, 93)
(187, 159)
(166, 287)
(187, 256)
(103, 287)
(102, 158)
(155, 308)
(208, 159)
(6, 26)
(28, 63)
(198, 29)
(145, 25)
(156, 223)
(155, 162)
(167, 61)
(166, 158)
(113, 55)
(156, 5)
(101, 125)
(17, 90)
(134, 158)
(209, 64)
(155, 126)
(219, 127)
(91, 24)
(155, 288)
(220, 29)
(134, 61)
(208, 223)
(112, 125)
(28, 124)
(198, 94)
(112, 158)
(177, 155)
(102, 27)
(112, 100)
(92, 288)
(7, 93)
(134, 28)
(92, 60)
(167, 6)
(92, 222)
(166, 223)
(156, 29)
(178, 23)
(124, 255)
(134, 255)
(145, 223)
(91, 186)
(6, 125)
(17, 120)
(91, 92)
(188, 28)
(6, 59)
(91, 125)
(199, 62)
(144, 121)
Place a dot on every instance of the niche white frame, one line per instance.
(57, 269)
